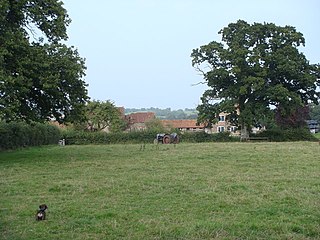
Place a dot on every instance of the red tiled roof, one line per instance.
(140, 117)
(181, 123)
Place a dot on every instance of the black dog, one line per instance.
(41, 213)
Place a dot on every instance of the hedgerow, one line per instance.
(286, 135)
(19, 134)
(82, 137)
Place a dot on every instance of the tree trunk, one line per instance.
(244, 133)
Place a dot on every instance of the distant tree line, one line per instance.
(167, 113)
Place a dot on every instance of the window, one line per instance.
(233, 129)
(221, 119)
(220, 129)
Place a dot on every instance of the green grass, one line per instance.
(190, 191)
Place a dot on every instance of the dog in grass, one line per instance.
(41, 213)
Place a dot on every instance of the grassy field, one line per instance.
(187, 191)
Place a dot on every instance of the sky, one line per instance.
(138, 51)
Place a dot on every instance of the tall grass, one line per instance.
(184, 191)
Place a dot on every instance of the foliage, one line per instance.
(18, 134)
(138, 137)
(296, 119)
(254, 68)
(198, 137)
(155, 125)
(314, 112)
(82, 137)
(100, 115)
(287, 135)
(42, 78)
(188, 191)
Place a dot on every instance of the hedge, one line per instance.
(275, 135)
(19, 134)
(282, 135)
(16, 135)
(81, 137)
(197, 137)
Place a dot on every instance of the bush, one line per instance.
(82, 137)
(282, 135)
(18, 134)
(197, 137)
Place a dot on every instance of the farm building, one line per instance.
(137, 121)
(184, 125)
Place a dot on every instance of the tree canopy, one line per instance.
(254, 69)
(40, 77)
(103, 114)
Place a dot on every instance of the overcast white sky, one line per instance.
(138, 51)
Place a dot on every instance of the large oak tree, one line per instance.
(40, 77)
(254, 69)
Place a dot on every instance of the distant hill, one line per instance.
(167, 113)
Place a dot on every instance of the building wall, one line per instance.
(136, 121)
(191, 125)
(185, 125)
(223, 126)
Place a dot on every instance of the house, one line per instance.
(184, 125)
(313, 126)
(136, 121)
(223, 126)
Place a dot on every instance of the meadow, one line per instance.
(257, 190)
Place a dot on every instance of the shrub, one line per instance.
(197, 137)
(19, 134)
(82, 137)
(293, 134)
